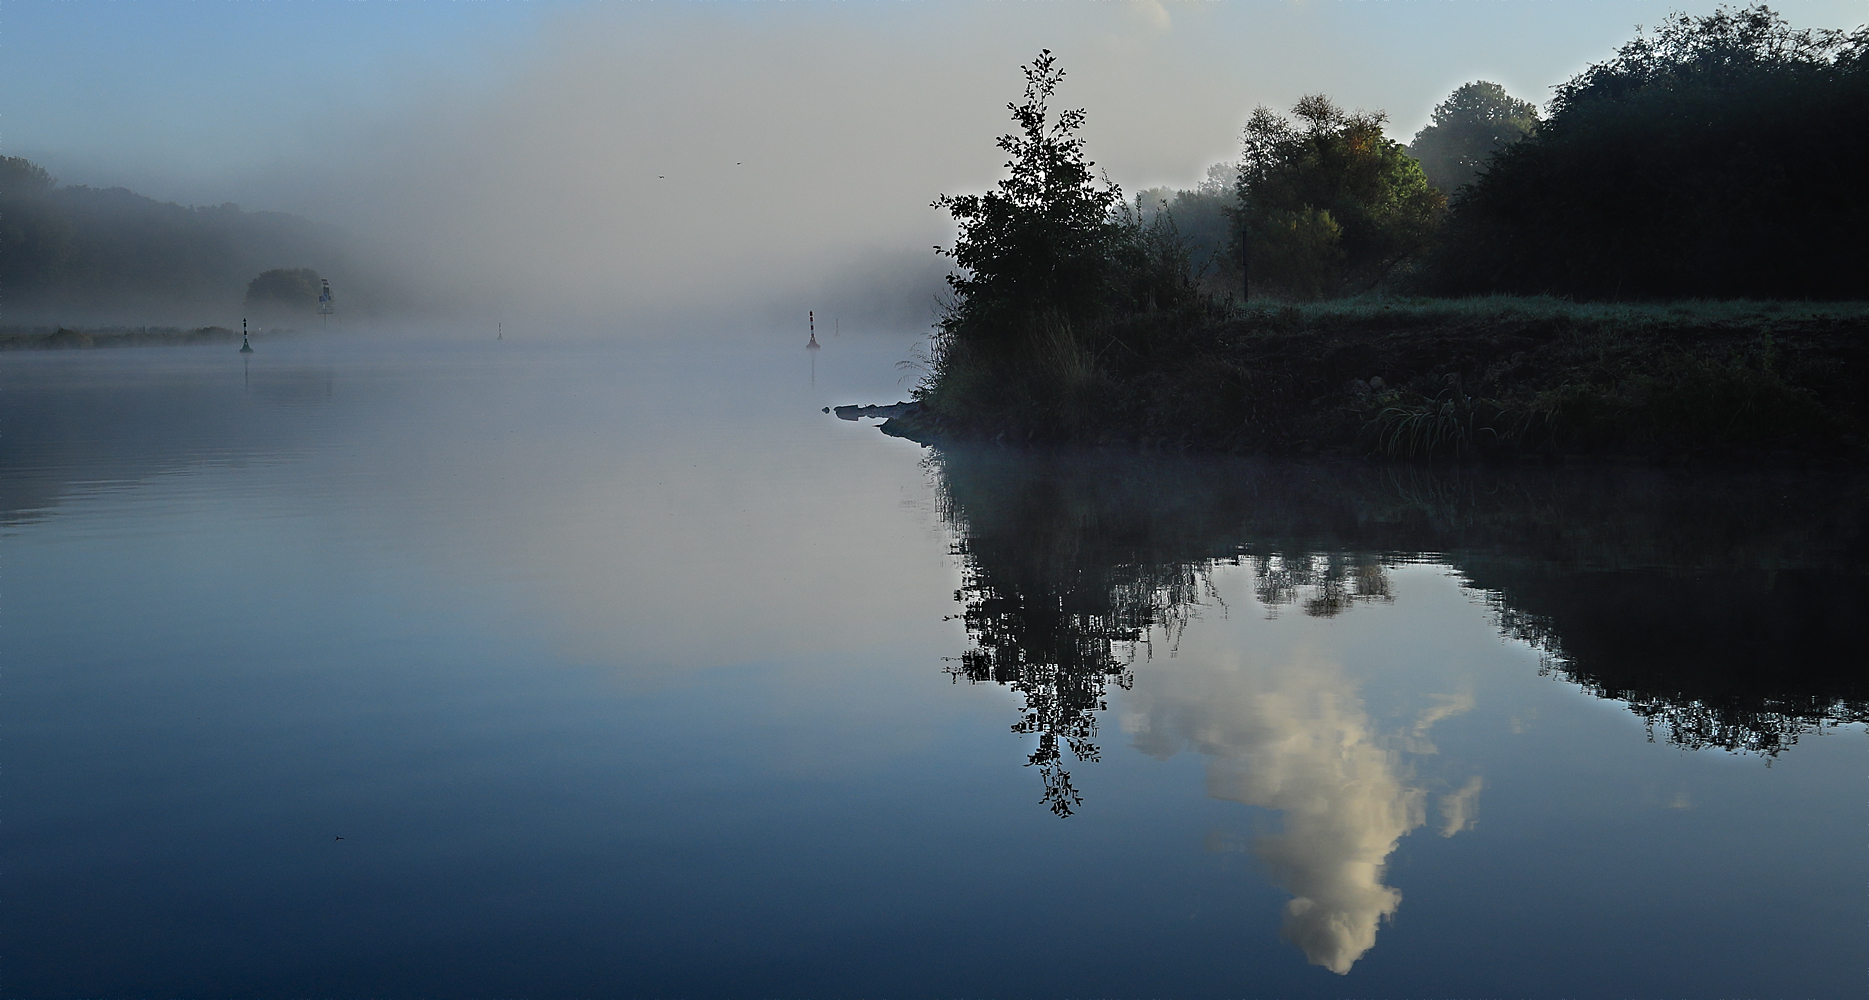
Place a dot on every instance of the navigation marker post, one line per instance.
(324, 302)
(245, 346)
(812, 317)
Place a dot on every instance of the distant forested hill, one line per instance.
(109, 255)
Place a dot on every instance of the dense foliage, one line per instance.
(1054, 266)
(1714, 157)
(1720, 156)
(1044, 240)
(1331, 205)
(1476, 121)
(1053, 247)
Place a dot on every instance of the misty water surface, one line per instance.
(471, 669)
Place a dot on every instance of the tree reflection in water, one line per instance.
(1068, 573)
(1718, 607)
(1057, 618)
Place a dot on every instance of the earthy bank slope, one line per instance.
(1495, 377)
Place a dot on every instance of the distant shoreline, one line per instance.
(60, 338)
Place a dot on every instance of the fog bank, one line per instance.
(637, 164)
(686, 163)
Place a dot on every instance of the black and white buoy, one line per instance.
(325, 308)
(812, 347)
(245, 347)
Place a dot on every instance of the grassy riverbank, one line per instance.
(1500, 377)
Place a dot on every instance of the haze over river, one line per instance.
(447, 668)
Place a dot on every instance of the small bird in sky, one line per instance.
(340, 838)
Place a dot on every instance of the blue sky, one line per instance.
(107, 85)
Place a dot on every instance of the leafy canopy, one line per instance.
(1725, 51)
(1475, 121)
(1718, 156)
(1045, 238)
(1330, 203)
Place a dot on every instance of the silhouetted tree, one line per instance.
(1474, 122)
(1045, 239)
(1052, 262)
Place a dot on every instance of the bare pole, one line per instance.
(1245, 256)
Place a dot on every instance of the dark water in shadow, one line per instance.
(574, 670)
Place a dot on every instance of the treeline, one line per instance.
(1721, 157)
(1717, 157)
(1714, 160)
(84, 255)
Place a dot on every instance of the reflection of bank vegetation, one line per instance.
(1718, 610)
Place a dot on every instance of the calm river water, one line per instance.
(424, 668)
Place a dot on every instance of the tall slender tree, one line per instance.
(1046, 237)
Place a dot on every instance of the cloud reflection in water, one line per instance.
(1293, 736)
